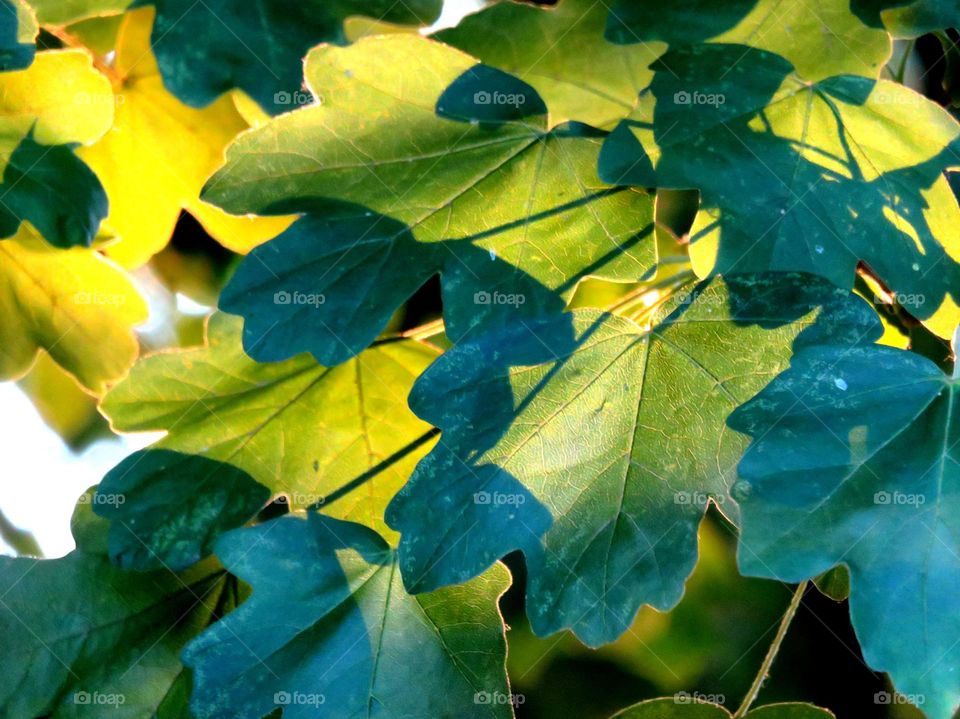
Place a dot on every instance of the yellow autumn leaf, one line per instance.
(158, 155)
(73, 303)
(60, 96)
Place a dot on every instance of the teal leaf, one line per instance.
(329, 630)
(594, 445)
(166, 509)
(510, 214)
(83, 639)
(55, 191)
(812, 177)
(854, 462)
(208, 48)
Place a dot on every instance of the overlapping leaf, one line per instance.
(18, 32)
(854, 461)
(820, 38)
(594, 446)
(44, 110)
(83, 639)
(673, 709)
(296, 427)
(158, 154)
(908, 18)
(561, 51)
(72, 303)
(329, 630)
(429, 163)
(800, 176)
(205, 49)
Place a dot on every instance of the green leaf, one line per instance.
(682, 707)
(18, 32)
(166, 508)
(854, 462)
(421, 176)
(83, 639)
(65, 12)
(296, 427)
(835, 583)
(819, 41)
(44, 111)
(561, 52)
(594, 445)
(72, 303)
(799, 176)
(329, 624)
(258, 48)
(908, 19)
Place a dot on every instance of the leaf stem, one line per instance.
(772, 651)
(20, 540)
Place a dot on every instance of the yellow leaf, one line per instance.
(72, 303)
(158, 155)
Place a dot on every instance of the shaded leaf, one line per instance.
(72, 303)
(82, 639)
(329, 625)
(854, 462)
(166, 508)
(561, 52)
(594, 446)
(176, 149)
(800, 176)
(258, 49)
(296, 427)
(421, 177)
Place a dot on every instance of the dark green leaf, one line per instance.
(329, 625)
(206, 48)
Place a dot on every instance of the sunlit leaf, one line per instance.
(296, 427)
(158, 154)
(73, 303)
(425, 168)
(596, 449)
(561, 51)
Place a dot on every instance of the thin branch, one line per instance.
(772, 651)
